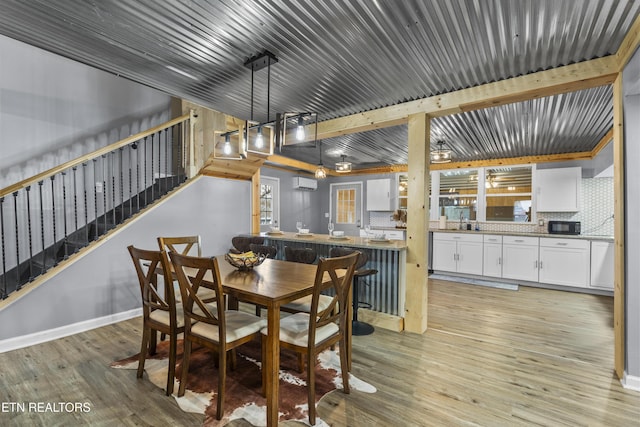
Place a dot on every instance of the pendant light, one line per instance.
(321, 172)
(343, 166)
(441, 154)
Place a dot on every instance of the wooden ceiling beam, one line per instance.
(629, 45)
(569, 78)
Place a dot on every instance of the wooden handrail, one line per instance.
(99, 152)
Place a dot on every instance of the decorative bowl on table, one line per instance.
(245, 261)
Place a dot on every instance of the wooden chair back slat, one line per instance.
(182, 245)
(147, 263)
(191, 272)
(337, 309)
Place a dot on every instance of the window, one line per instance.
(458, 195)
(266, 204)
(346, 206)
(508, 194)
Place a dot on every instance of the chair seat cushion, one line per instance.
(238, 325)
(304, 303)
(294, 330)
(162, 316)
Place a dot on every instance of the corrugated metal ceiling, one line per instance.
(340, 58)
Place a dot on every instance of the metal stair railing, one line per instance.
(50, 216)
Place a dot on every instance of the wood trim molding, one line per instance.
(607, 138)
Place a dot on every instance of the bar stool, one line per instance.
(358, 328)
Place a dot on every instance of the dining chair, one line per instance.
(266, 250)
(212, 327)
(160, 312)
(358, 328)
(184, 245)
(311, 333)
(305, 256)
(240, 244)
(269, 252)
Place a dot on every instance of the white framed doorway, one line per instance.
(346, 207)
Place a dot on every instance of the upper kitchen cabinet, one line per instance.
(379, 195)
(558, 190)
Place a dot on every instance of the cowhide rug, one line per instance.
(243, 387)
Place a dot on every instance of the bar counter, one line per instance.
(385, 290)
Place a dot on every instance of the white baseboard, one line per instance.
(64, 331)
(631, 382)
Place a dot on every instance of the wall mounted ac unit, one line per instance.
(302, 183)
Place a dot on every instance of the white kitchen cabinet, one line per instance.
(492, 255)
(457, 252)
(602, 273)
(564, 262)
(379, 195)
(444, 253)
(558, 190)
(520, 258)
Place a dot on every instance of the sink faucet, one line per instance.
(460, 228)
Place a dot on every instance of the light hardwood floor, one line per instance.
(491, 357)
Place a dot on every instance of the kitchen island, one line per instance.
(384, 291)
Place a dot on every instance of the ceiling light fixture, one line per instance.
(300, 134)
(227, 145)
(343, 166)
(321, 173)
(441, 154)
(261, 137)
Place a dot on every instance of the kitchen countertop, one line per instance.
(515, 233)
(351, 241)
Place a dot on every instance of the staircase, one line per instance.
(50, 217)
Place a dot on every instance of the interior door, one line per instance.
(269, 203)
(346, 207)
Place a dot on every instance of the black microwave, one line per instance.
(564, 227)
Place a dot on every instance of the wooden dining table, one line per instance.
(271, 285)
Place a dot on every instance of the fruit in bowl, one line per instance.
(245, 261)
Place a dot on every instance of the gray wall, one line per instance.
(631, 85)
(103, 281)
(297, 205)
(53, 110)
(310, 206)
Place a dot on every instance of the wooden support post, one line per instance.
(255, 202)
(194, 130)
(415, 310)
(619, 230)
